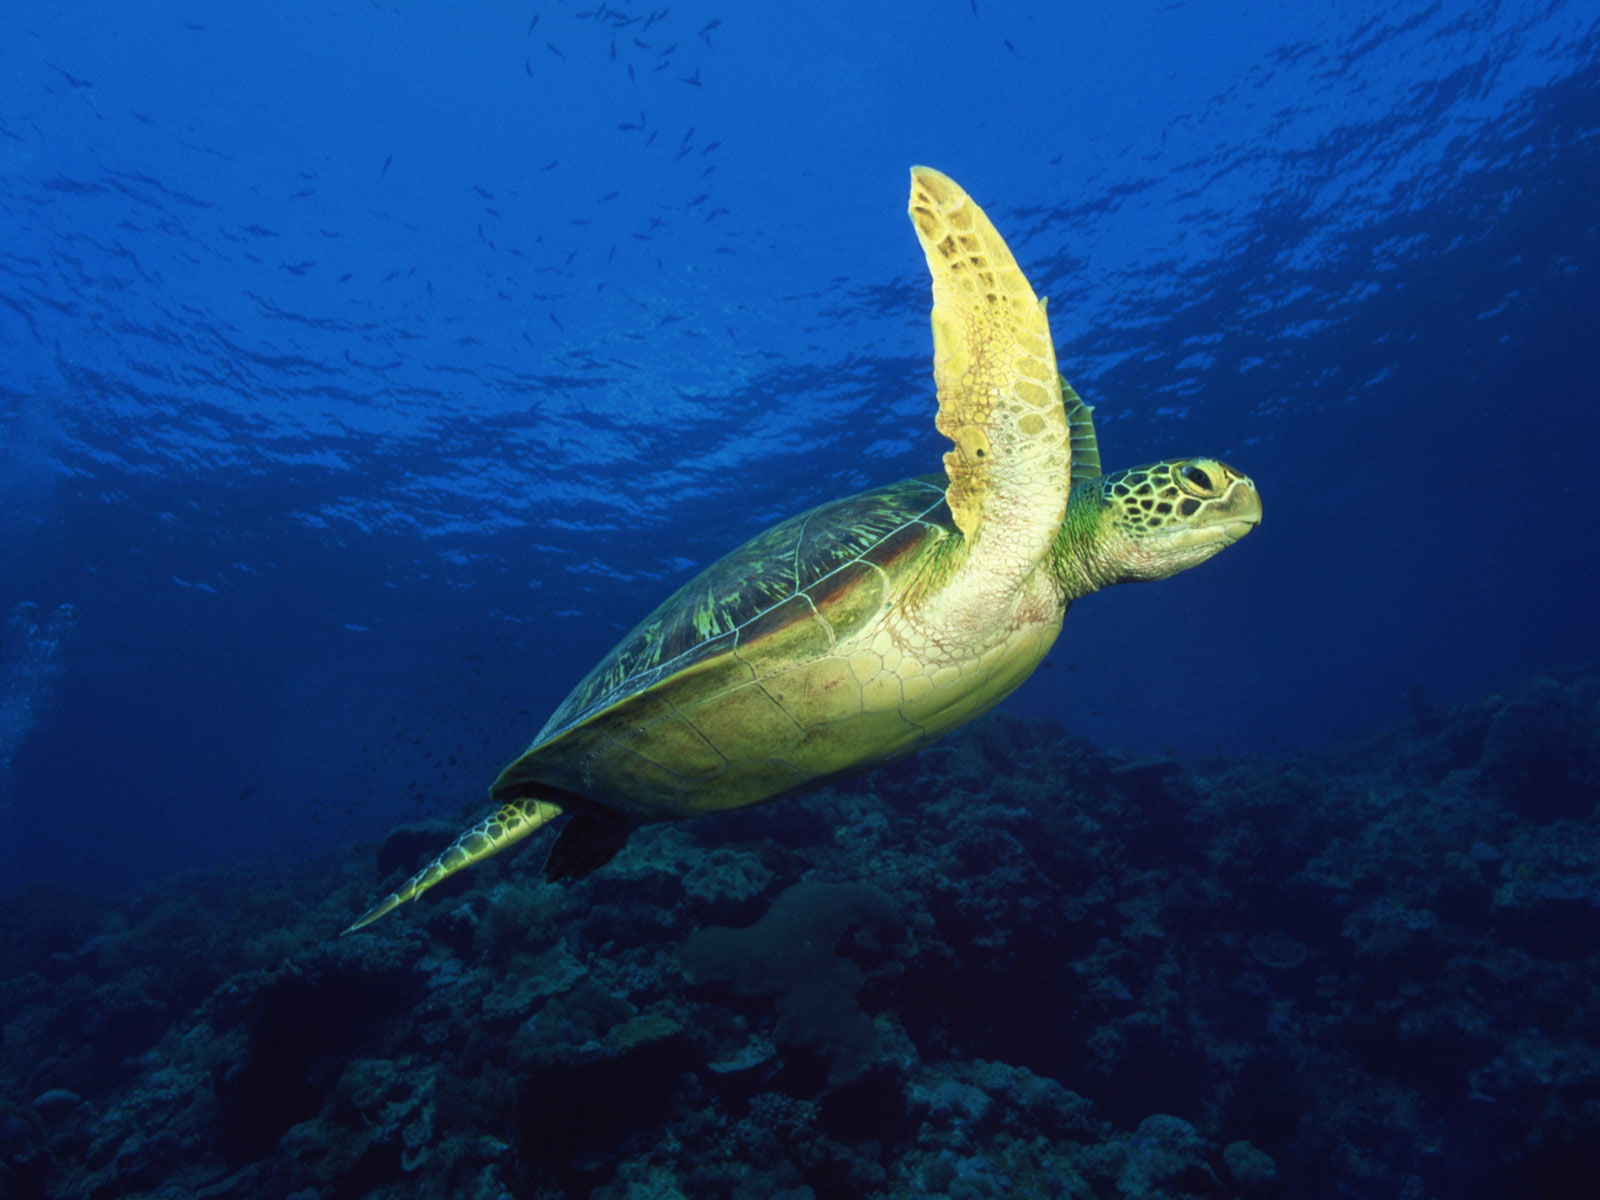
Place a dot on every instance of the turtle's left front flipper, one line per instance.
(507, 825)
(999, 393)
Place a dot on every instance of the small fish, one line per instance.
(556, 50)
(386, 163)
(531, 24)
(72, 80)
(691, 80)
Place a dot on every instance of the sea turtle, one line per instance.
(852, 634)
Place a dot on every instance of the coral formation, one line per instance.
(1012, 966)
(791, 953)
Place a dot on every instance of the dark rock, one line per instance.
(1371, 972)
(57, 1104)
(792, 954)
(1145, 779)
(301, 1023)
(1540, 752)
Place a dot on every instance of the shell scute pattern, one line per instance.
(794, 572)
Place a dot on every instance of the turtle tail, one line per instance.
(507, 825)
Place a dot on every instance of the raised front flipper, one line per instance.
(999, 393)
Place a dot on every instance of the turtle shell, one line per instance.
(671, 723)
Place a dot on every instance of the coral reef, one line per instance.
(1014, 965)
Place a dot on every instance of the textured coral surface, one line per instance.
(1015, 965)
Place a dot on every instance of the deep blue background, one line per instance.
(366, 369)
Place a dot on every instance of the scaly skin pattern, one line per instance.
(850, 635)
(508, 824)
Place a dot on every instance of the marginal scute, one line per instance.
(884, 734)
(760, 777)
(748, 722)
(817, 692)
(631, 767)
(672, 739)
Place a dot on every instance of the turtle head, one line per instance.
(1153, 521)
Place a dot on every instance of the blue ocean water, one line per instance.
(369, 368)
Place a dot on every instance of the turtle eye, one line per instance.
(1206, 481)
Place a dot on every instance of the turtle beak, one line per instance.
(1239, 509)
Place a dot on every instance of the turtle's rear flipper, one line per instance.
(510, 823)
(588, 842)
